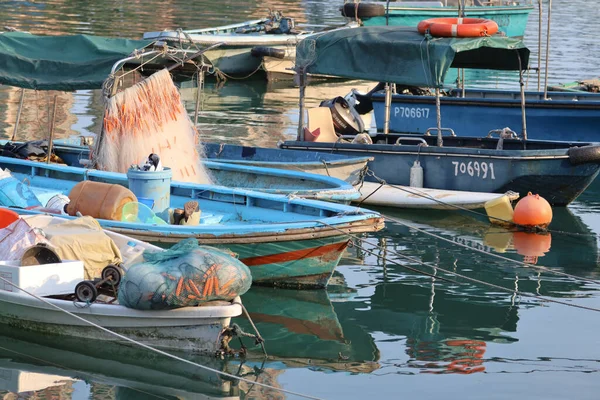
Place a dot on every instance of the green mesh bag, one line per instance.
(184, 275)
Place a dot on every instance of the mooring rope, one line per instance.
(164, 353)
(474, 280)
(498, 256)
(416, 192)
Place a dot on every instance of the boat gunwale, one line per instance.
(99, 310)
(435, 151)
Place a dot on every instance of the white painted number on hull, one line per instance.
(411, 112)
(477, 169)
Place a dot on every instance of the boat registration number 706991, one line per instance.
(483, 170)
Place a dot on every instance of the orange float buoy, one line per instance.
(458, 27)
(532, 211)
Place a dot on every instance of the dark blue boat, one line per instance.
(484, 110)
(558, 171)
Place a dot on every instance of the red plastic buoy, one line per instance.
(533, 211)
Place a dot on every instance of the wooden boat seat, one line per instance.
(320, 126)
(99, 200)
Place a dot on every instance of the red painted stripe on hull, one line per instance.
(296, 255)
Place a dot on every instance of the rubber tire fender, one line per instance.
(362, 10)
(584, 154)
(263, 51)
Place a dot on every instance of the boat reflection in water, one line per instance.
(438, 326)
(302, 329)
(34, 366)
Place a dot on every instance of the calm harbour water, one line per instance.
(380, 331)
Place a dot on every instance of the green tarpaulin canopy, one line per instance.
(402, 55)
(60, 62)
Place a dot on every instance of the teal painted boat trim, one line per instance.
(511, 20)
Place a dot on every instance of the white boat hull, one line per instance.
(195, 329)
(375, 194)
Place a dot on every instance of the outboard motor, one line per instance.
(346, 120)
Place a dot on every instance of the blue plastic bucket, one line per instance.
(146, 202)
(154, 186)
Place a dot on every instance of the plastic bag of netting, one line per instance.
(184, 275)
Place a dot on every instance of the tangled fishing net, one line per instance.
(185, 275)
(146, 118)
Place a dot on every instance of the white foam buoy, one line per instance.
(416, 175)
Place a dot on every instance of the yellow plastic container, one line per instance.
(500, 211)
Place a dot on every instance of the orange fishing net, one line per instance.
(149, 117)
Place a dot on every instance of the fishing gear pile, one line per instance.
(149, 118)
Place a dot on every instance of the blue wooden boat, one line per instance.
(484, 110)
(276, 181)
(558, 171)
(345, 168)
(511, 17)
(285, 241)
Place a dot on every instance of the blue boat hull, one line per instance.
(472, 164)
(511, 20)
(565, 117)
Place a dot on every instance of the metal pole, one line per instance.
(540, 46)
(14, 136)
(302, 77)
(200, 84)
(523, 117)
(438, 114)
(388, 106)
(547, 50)
(51, 136)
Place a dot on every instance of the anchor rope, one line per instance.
(468, 278)
(158, 351)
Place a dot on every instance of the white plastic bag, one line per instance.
(18, 237)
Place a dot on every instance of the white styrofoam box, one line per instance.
(42, 280)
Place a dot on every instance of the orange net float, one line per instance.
(533, 211)
(458, 27)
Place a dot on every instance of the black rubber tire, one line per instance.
(584, 154)
(115, 272)
(262, 51)
(362, 10)
(86, 292)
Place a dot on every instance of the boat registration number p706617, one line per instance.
(411, 112)
(483, 170)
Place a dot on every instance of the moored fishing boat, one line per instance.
(350, 169)
(248, 47)
(550, 116)
(284, 240)
(194, 328)
(558, 171)
(511, 17)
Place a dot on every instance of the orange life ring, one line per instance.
(458, 27)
